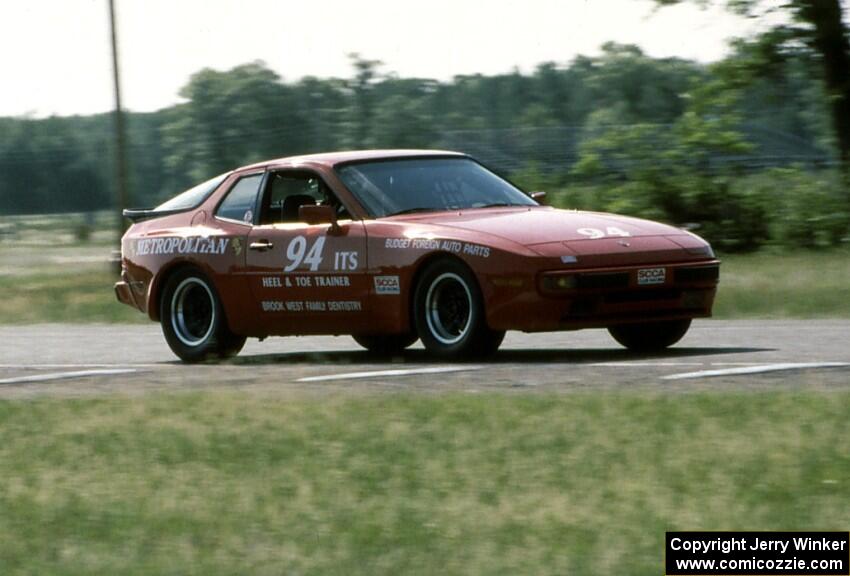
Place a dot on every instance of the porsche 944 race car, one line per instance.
(397, 246)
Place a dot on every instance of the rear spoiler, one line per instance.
(138, 214)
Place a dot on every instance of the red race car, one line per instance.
(398, 246)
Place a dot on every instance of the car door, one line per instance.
(306, 278)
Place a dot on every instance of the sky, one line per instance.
(57, 61)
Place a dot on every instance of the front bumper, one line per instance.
(590, 298)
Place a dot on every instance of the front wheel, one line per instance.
(449, 312)
(193, 319)
(650, 336)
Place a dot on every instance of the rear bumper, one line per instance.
(605, 297)
(124, 294)
(127, 292)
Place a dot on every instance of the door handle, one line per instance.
(261, 245)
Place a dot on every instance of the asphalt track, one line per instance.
(60, 359)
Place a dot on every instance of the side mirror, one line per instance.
(313, 214)
(539, 196)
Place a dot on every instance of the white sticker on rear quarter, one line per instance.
(650, 276)
(387, 285)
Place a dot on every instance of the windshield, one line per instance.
(193, 196)
(387, 188)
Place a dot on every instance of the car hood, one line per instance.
(576, 238)
(539, 225)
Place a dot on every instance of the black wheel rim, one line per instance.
(448, 308)
(192, 311)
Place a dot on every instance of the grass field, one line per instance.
(796, 285)
(799, 285)
(84, 296)
(227, 483)
(240, 482)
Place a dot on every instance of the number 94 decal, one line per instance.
(297, 254)
(596, 233)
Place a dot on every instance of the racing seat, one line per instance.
(291, 204)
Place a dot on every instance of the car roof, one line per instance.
(331, 159)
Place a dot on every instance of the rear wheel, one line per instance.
(449, 312)
(385, 344)
(193, 319)
(650, 336)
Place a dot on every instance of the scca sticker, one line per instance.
(650, 276)
(387, 285)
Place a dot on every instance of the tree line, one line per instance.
(721, 146)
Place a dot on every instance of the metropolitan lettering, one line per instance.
(176, 245)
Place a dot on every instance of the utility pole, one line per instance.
(120, 141)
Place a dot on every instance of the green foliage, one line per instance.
(404, 118)
(644, 89)
(621, 131)
(782, 207)
(685, 173)
(223, 123)
(51, 165)
(804, 209)
(534, 178)
(814, 31)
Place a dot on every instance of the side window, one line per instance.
(240, 201)
(286, 192)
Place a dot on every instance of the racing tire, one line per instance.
(385, 344)
(193, 320)
(448, 312)
(650, 336)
